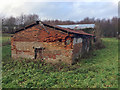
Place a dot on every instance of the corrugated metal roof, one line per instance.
(74, 31)
(78, 26)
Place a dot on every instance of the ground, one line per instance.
(100, 70)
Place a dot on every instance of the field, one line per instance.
(5, 39)
(100, 70)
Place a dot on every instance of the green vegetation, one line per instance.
(98, 71)
(5, 39)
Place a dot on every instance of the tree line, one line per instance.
(12, 24)
(104, 27)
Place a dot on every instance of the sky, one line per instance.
(60, 9)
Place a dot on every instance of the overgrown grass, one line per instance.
(98, 71)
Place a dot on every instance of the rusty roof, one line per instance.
(75, 31)
(60, 28)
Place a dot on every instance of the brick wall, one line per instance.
(52, 52)
(24, 43)
(38, 33)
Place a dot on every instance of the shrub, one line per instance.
(98, 44)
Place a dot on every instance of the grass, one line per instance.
(5, 39)
(98, 71)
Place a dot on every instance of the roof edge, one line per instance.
(60, 28)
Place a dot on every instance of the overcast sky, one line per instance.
(64, 9)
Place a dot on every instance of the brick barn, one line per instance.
(50, 43)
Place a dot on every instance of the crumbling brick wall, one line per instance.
(51, 53)
(24, 43)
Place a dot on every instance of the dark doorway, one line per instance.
(38, 53)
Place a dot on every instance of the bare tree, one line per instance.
(30, 19)
(10, 24)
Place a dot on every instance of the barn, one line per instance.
(50, 43)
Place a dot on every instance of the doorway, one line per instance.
(38, 53)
